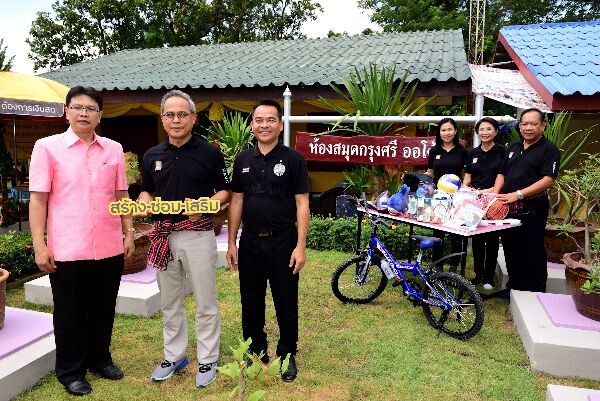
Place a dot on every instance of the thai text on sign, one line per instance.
(365, 149)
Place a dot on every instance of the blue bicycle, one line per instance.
(450, 303)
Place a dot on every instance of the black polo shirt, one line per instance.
(447, 162)
(196, 169)
(269, 183)
(484, 166)
(523, 167)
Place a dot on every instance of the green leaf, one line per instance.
(257, 395)
(231, 369)
(234, 392)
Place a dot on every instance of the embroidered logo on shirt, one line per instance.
(246, 170)
(158, 165)
(279, 169)
(438, 157)
(474, 160)
(553, 167)
(510, 155)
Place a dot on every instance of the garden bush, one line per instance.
(325, 233)
(16, 254)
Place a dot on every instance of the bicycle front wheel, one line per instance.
(465, 318)
(357, 281)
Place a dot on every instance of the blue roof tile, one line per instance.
(564, 57)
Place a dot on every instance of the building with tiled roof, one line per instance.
(560, 60)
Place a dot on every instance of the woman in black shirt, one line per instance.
(448, 156)
(483, 165)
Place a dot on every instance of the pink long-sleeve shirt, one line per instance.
(81, 181)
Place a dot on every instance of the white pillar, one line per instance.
(287, 111)
(478, 115)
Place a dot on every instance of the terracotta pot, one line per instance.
(558, 244)
(576, 274)
(138, 261)
(3, 277)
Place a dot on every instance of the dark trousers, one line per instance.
(485, 256)
(84, 294)
(524, 251)
(263, 259)
(456, 242)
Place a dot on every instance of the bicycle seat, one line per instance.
(426, 242)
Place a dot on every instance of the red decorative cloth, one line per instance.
(160, 254)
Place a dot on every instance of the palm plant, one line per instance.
(233, 135)
(371, 93)
(359, 178)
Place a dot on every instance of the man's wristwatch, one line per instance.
(520, 195)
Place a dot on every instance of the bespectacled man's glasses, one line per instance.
(182, 115)
(81, 109)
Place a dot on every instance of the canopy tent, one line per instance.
(29, 95)
(506, 86)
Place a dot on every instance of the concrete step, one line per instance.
(28, 351)
(555, 284)
(566, 393)
(559, 351)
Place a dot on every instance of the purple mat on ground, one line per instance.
(23, 327)
(223, 236)
(552, 265)
(146, 276)
(594, 397)
(561, 311)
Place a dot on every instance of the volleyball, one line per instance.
(449, 183)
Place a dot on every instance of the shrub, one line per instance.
(325, 233)
(16, 254)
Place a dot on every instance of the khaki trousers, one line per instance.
(194, 256)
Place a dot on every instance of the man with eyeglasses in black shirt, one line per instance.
(185, 167)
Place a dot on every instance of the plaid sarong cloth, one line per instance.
(160, 254)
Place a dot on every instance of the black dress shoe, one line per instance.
(292, 371)
(110, 372)
(79, 387)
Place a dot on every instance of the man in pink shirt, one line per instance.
(73, 178)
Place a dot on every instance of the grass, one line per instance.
(381, 351)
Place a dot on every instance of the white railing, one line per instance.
(461, 120)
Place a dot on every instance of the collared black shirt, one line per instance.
(446, 162)
(523, 167)
(196, 169)
(484, 166)
(269, 184)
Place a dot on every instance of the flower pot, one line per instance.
(557, 244)
(138, 261)
(576, 274)
(3, 277)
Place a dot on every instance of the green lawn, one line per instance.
(381, 351)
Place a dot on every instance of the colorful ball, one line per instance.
(449, 183)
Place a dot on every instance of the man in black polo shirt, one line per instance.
(185, 166)
(270, 195)
(529, 169)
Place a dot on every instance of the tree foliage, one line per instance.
(418, 15)
(5, 63)
(78, 30)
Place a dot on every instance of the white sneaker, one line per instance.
(488, 287)
(207, 373)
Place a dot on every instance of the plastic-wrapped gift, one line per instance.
(466, 217)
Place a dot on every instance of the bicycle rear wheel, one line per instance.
(356, 282)
(465, 319)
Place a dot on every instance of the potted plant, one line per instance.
(3, 277)
(565, 210)
(584, 182)
(232, 136)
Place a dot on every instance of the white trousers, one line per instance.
(194, 256)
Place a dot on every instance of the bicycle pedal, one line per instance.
(397, 283)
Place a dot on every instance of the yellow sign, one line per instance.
(126, 206)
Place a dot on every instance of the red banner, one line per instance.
(365, 149)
